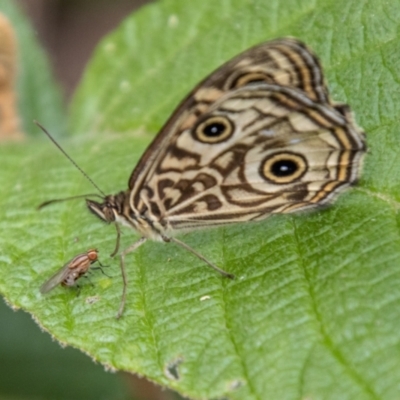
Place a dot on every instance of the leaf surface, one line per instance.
(314, 309)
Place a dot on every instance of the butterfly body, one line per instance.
(117, 209)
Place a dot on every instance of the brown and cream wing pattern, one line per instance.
(258, 136)
(286, 62)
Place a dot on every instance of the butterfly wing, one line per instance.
(258, 136)
(285, 62)
(277, 151)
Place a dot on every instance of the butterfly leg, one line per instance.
(117, 242)
(130, 249)
(188, 248)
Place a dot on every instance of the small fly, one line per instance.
(72, 270)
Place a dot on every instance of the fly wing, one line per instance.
(56, 279)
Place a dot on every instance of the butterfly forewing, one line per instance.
(286, 62)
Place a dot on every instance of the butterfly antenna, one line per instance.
(46, 203)
(69, 158)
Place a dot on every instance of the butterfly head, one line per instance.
(109, 208)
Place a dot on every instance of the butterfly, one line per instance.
(260, 135)
(72, 270)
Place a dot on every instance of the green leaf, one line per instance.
(313, 311)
